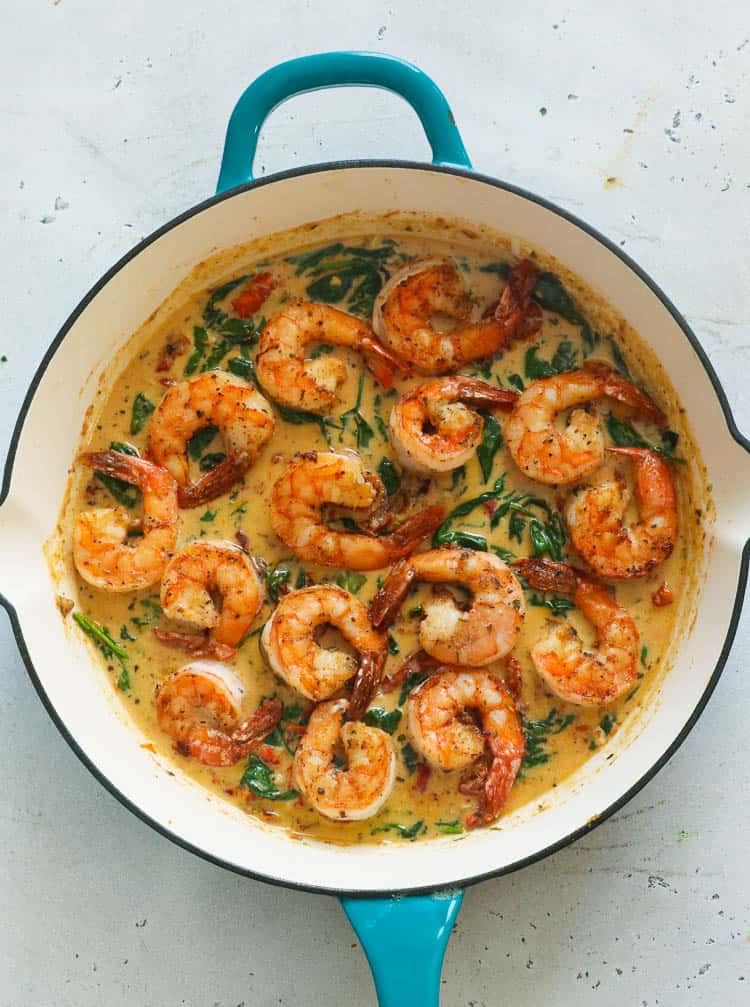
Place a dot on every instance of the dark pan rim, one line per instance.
(461, 882)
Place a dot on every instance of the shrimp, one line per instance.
(485, 632)
(200, 706)
(431, 428)
(316, 480)
(212, 399)
(595, 519)
(448, 740)
(550, 455)
(311, 385)
(103, 554)
(291, 649)
(358, 791)
(203, 570)
(593, 678)
(421, 291)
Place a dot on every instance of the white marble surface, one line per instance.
(112, 122)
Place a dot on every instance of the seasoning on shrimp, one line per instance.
(291, 649)
(300, 383)
(103, 553)
(422, 291)
(317, 480)
(589, 678)
(238, 410)
(449, 740)
(357, 790)
(200, 706)
(436, 426)
(484, 632)
(595, 518)
(555, 456)
(200, 572)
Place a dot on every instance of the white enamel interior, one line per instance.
(81, 695)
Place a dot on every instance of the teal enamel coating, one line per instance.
(405, 940)
(337, 69)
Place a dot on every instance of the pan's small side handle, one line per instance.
(337, 69)
(405, 940)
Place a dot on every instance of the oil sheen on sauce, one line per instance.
(560, 737)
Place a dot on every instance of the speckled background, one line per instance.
(112, 122)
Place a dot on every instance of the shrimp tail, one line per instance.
(404, 539)
(501, 775)
(115, 464)
(615, 386)
(515, 300)
(214, 483)
(382, 362)
(546, 575)
(385, 605)
(257, 726)
(366, 682)
(484, 396)
(419, 662)
(197, 645)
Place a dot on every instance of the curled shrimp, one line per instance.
(435, 428)
(292, 651)
(551, 455)
(200, 706)
(484, 632)
(199, 573)
(307, 384)
(357, 791)
(597, 529)
(599, 676)
(103, 554)
(423, 291)
(317, 480)
(212, 399)
(449, 740)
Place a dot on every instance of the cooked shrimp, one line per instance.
(483, 633)
(597, 529)
(357, 791)
(200, 706)
(435, 428)
(200, 572)
(592, 678)
(294, 654)
(308, 384)
(103, 554)
(449, 740)
(316, 480)
(552, 455)
(212, 399)
(423, 291)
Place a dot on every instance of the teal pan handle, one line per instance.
(337, 69)
(405, 941)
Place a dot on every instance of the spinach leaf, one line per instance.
(558, 604)
(386, 720)
(537, 734)
(393, 647)
(200, 441)
(506, 555)
(644, 655)
(339, 272)
(453, 828)
(200, 342)
(389, 475)
(107, 645)
(619, 360)
(142, 409)
(607, 723)
(410, 757)
(492, 441)
(626, 436)
(350, 581)
(517, 381)
(298, 417)
(412, 680)
(243, 367)
(502, 269)
(406, 833)
(276, 578)
(125, 634)
(362, 429)
(457, 476)
(447, 536)
(259, 778)
(211, 460)
(564, 358)
(208, 516)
